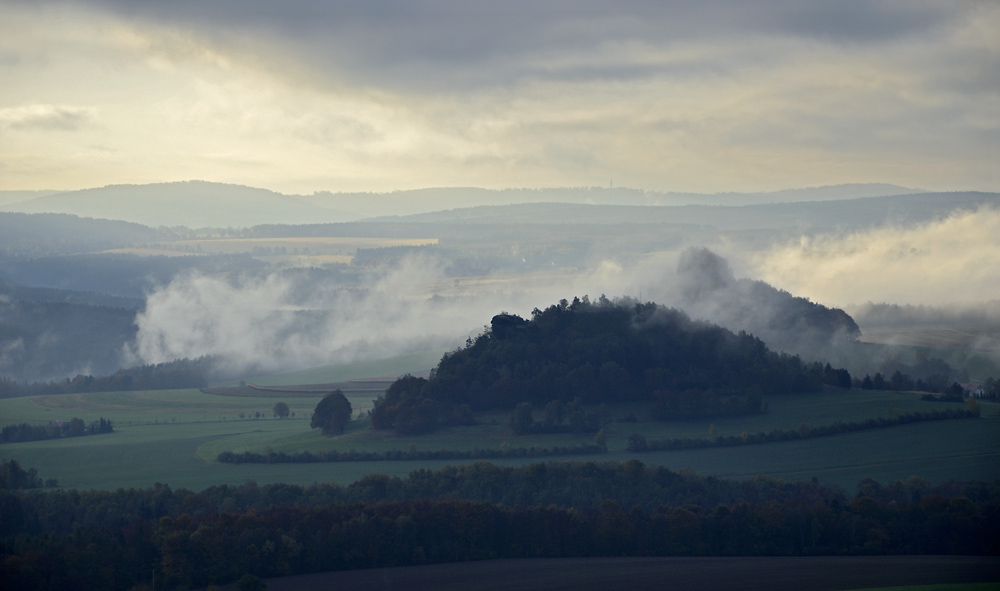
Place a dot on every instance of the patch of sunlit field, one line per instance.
(296, 251)
(318, 245)
(508, 282)
(151, 252)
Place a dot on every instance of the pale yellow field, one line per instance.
(317, 244)
(152, 252)
(315, 250)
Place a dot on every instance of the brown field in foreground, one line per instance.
(642, 574)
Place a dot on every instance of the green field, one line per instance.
(173, 436)
(415, 363)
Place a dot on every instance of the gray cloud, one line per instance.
(45, 117)
(453, 43)
(698, 96)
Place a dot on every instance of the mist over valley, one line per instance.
(271, 298)
(533, 295)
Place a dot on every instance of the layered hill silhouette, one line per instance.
(733, 216)
(198, 204)
(194, 204)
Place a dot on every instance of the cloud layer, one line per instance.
(55, 117)
(665, 96)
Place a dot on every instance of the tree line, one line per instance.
(116, 539)
(638, 443)
(13, 477)
(937, 383)
(172, 375)
(74, 427)
(397, 455)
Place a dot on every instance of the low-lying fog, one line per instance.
(280, 322)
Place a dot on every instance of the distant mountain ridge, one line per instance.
(435, 199)
(9, 197)
(197, 204)
(860, 212)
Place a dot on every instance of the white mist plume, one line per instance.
(275, 323)
(955, 260)
(269, 324)
(280, 323)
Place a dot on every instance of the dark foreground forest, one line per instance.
(116, 540)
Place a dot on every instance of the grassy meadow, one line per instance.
(414, 363)
(173, 436)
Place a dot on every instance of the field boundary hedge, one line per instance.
(306, 457)
(638, 443)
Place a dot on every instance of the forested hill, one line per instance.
(607, 352)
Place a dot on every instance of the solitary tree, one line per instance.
(332, 413)
(281, 410)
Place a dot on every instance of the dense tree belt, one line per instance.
(114, 540)
(272, 457)
(638, 443)
(173, 375)
(73, 428)
(13, 477)
(603, 352)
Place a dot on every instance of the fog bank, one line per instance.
(280, 322)
(945, 262)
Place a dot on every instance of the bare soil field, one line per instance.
(642, 574)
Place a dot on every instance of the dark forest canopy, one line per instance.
(117, 539)
(604, 352)
(171, 375)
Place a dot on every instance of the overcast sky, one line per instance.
(300, 96)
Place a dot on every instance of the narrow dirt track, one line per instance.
(642, 574)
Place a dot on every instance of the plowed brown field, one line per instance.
(642, 574)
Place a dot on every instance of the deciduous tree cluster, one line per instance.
(603, 352)
(73, 428)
